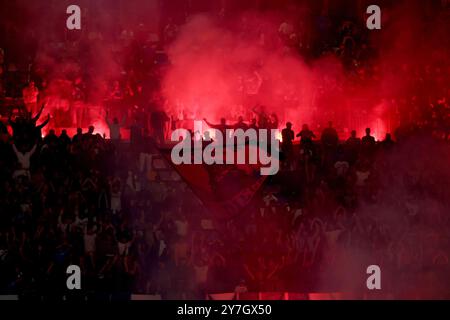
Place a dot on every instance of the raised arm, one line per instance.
(38, 114)
(15, 149)
(43, 124)
(212, 125)
(208, 123)
(107, 118)
(218, 126)
(32, 150)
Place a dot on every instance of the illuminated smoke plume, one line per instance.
(214, 59)
(215, 64)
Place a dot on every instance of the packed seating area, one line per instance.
(342, 200)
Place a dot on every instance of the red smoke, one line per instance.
(214, 60)
(215, 66)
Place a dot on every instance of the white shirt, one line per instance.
(341, 167)
(24, 158)
(114, 129)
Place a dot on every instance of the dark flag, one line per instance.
(225, 189)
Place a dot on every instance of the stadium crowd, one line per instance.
(338, 203)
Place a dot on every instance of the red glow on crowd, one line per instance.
(351, 106)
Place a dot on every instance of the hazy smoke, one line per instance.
(403, 228)
(217, 65)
